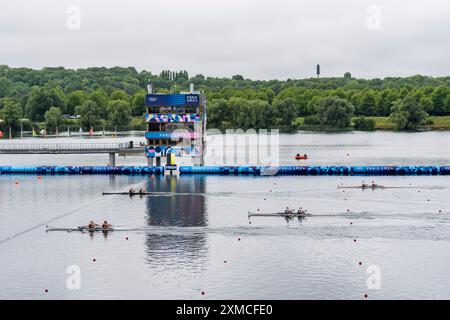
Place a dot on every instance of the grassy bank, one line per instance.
(433, 123)
(440, 123)
(384, 123)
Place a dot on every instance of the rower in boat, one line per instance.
(106, 225)
(288, 211)
(92, 224)
(364, 185)
(301, 211)
(374, 185)
(142, 191)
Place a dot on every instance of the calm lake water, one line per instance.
(196, 237)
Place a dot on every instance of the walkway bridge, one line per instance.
(122, 149)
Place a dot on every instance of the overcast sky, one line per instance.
(260, 39)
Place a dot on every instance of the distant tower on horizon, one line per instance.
(318, 70)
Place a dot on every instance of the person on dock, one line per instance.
(106, 225)
(92, 224)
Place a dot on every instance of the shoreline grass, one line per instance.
(383, 123)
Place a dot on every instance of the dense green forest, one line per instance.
(114, 97)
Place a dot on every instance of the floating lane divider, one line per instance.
(83, 170)
(318, 170)
(237, 170)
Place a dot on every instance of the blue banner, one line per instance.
(172, 100)
(170, 135)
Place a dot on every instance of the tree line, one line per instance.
(112, 97)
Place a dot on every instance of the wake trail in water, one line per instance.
(50, 221)
(318, 232)
(55, 218)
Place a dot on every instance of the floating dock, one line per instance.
(235, 170)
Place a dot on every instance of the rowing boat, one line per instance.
(279, 214)
(129, 193)
(374, 187)
(83, 229)
(364, 187)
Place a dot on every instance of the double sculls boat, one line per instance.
(373, 187)
(365, 186)
(280, 214)
(85, 229)
(128, 193)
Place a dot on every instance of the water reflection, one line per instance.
(94, 234)
(185, 207)
(291, 218)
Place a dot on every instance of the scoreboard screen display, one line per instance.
(172, 100)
